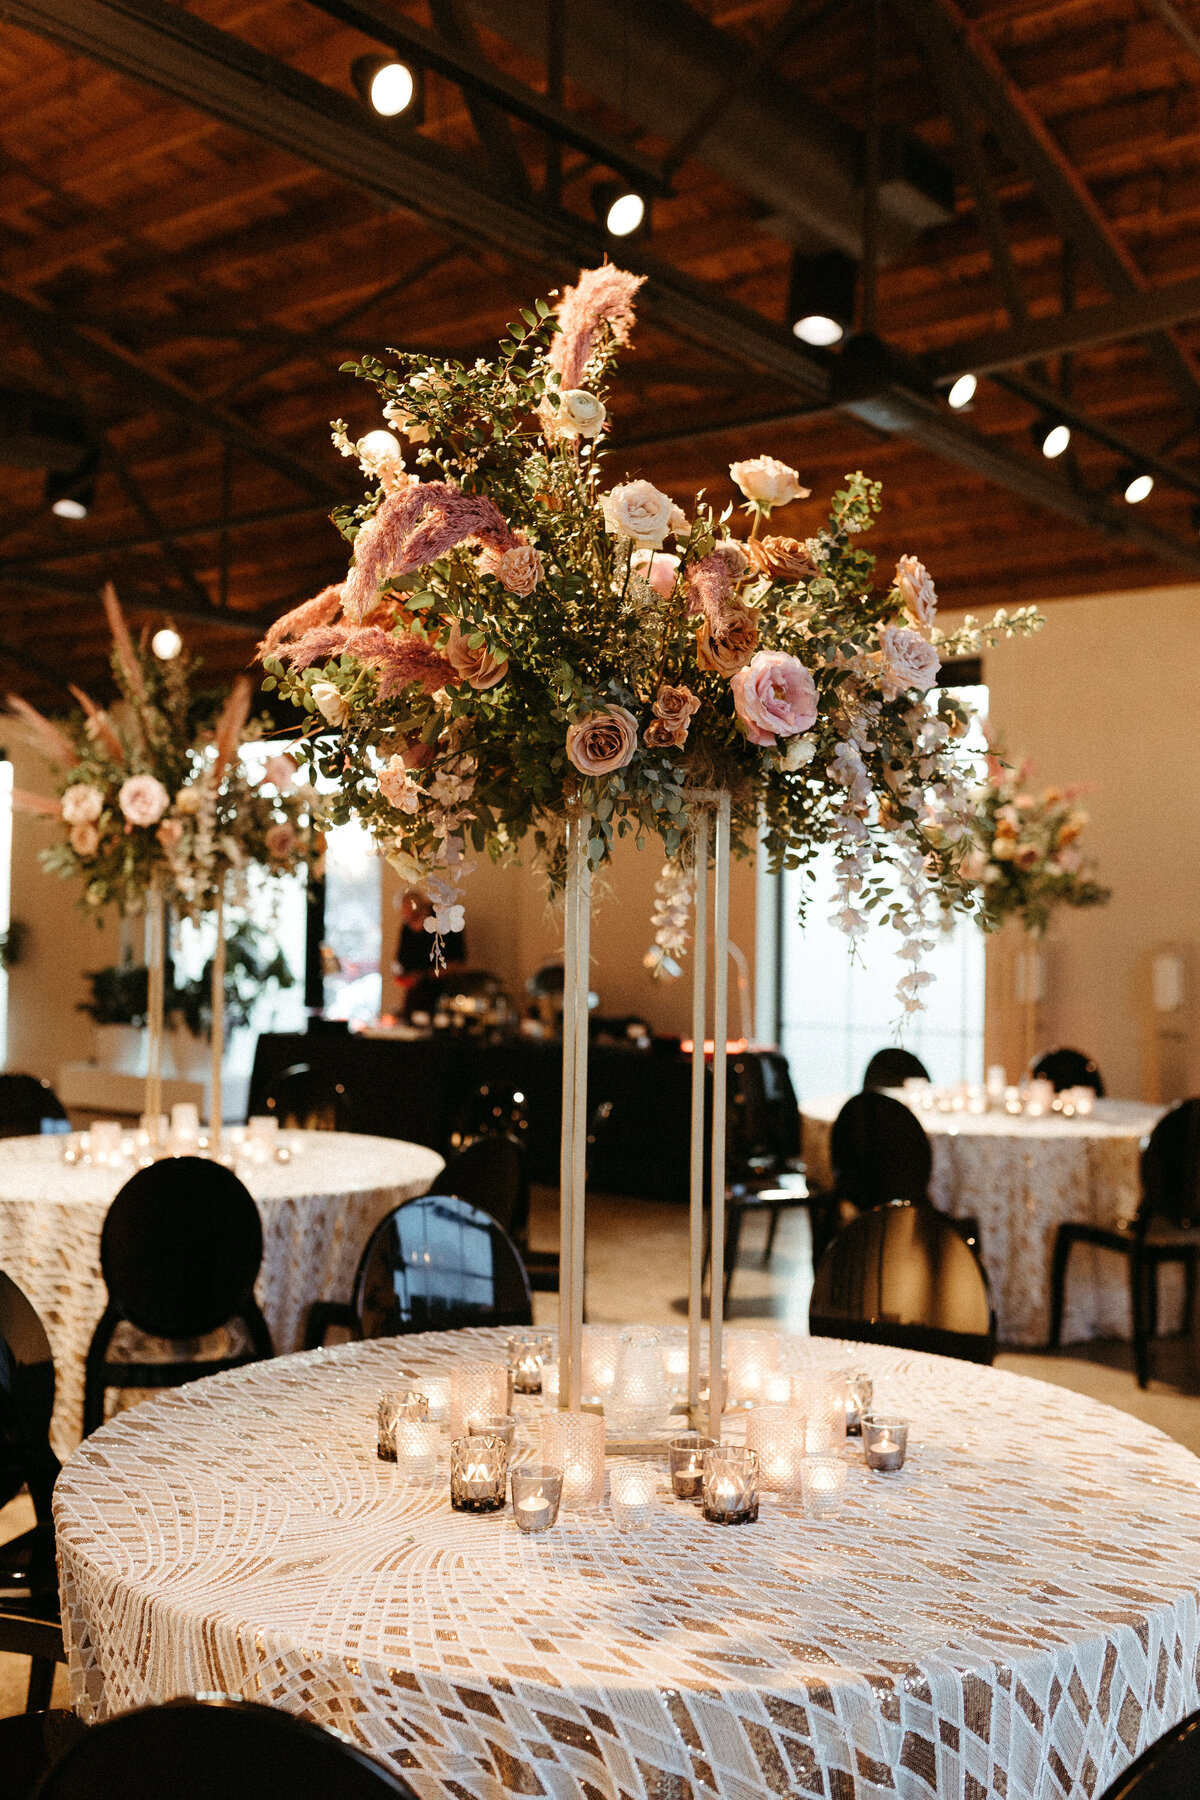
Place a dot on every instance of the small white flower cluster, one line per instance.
(671, 917)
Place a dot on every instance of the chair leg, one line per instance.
(733, 1241)
(1063, 1244)
(1141, 1334)
(41, 1684)
(772, 1228)
(1189, 1293)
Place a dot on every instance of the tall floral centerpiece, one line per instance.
(525, 645)
(1028, 862)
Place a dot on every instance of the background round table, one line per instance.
(318, 1211)
(1021, 1178)
(1014, 1614)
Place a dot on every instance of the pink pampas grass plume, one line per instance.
(316, 646)
(601, 297)
(710, 583)
(45, 737)
(415, 528)
(321, 610)
(400, 660)
(26, 802)
(99, 726)
(230, 724)
(122, 642)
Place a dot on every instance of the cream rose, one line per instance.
(579, 414)
(799, 754)
(908, 662)
(478, 666)
(767, 483)
(84, 838)
(641, 512)
(329, 702)
(143, 800)
(519, 570)
(917, 592)
(724, 651)
(602, 742)
(774, 697)
(82, 804)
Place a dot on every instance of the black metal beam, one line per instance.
(80, 552)
(138, 599)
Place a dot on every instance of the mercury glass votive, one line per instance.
(822, 1484)
(752, 1358)
(478, 1474)
(527, 1352)
(501, 1425)
(407, 1404)
(631, 1491)
(417, 1443)
(729, 1493)
(860, 1390)
(885, 1443)
(687, 1463)
(779, 1437)
(536, 1496)
(639, 1391)
(574, 1443)
(476, 1387)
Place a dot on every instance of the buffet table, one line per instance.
(1021, 1177)
(318, 1210)
(1013, 1614)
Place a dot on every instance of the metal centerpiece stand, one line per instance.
(156, 963)
(709, 811)
(217, 1007)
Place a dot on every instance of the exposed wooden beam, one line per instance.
(1084, 329)
(66, 552)
(138, 599)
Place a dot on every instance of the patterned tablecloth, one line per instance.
(1021, 1178)
(318, 1211)
(1015, 1614)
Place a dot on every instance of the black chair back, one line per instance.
(181, 1248)
(495, 1109)
(491, 1174)
(1068, 1069)
(437, 1264)
(1168, 1770)
(879, 1152)
(891, 1068)
(308, 1099)
(782, 1106)
(1171, 1169)
(26, 1403)
(903, 1275)
(29, 1107)
(216, 1747)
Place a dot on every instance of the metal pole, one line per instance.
(215, 1112)
(716, 1397)
(696, 1189)
(583, 936)
(566, 1161)
(155, 1004)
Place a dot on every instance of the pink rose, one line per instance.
(82, 804)
(917, 592)
(280, 841)
(774, 697)
(908, 662)
(170, 833)
(479, 667)
(280, 771)
(143, 799)
(602, 742)
(84, 839)
(658, 568)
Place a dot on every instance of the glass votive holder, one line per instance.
(536, 1496)
(104, 1141)
(574, 1443)
(185, 1119)
(822, 1399)
(550, 1383)
(436, 1389)
(885, 1443)
(822, 1484)
(779, 1437)
(675, 1366)
(392, 1408)
(478, 1474)
(263, 1129)
(599, 1361)
(527, 1352)
(729, 1489)
(631, 1492)
(860, 1391)
(751, 1359)
(638, 1398)
(72, 1147)
(476, 1387)
(499, 1425)
(417, 1443)
(687, 1463)
(1085, 1102)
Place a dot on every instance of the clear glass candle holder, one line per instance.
(752, 1358)
(598, 1366)
(476, 1387)
(536, 1496)
(632, 1488)
(730, 1485)
(528, 1351)
(638, 1399)
(823, 1484)
(779, 1437)
(501, 1425)
(392, 1408)
(574, 1443)
(417, 1442)
(675, 1367)
(550, 1384)
(860, 1391)
(478, 1474)
(822, 1400)
(687, 1463)
(885, 1443)
(437, 1390)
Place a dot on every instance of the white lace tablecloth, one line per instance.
(1021, 1178)
(318, 1210)
(1014, 1615)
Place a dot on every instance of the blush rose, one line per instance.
(477, 666)
(603, 741)
(143, 800)
(774, 697)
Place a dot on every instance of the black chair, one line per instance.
(180, 1251)
(902, 1275)
(1165, 1229)
(879, 1152)
(30, 1107)
(764, 1173)
(1068, 1069)
(29, 1744)
(216, 1748)
(491, 1174)
(892, 1067)
(308, 1099)
(29, 1609)
(1168, 1770)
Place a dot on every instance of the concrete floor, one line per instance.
(637, 1271)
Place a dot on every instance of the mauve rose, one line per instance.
(909, 662)
(676, 705)
(641, 512)
(659, 568)
(603, 741)
(917, 592)
(479, 666)
(143, 799)
(82, 804)
(170, 833)
(84, 839)
(767, 482)
(280, 841)
(726, 650)
(781, 558)
(1026, 857)
(774, 697)
(416, 754)
(519, 570)
(661, 734)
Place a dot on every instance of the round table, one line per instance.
(1014, 1614)
(318, 1210)
(1021, 1178)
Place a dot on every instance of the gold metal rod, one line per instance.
(218, 1026)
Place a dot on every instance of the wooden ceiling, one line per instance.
(197, 284)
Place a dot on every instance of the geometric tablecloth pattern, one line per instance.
(1014, 1615)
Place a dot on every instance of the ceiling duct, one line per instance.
(40, 431)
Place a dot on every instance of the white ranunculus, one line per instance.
(639, 511)
(767, 482)
(580, 414)
(799, 752)
(82, 804)
(330, 705)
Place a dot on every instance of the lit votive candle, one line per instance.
(599, 1362)
(476, 1387)
(478, 1474)
(528, 1351)
(885, 1442)
(778, 1436)
(417, 1443)
(631, 1488)
(860, 1390)
(730, 1490)
(823, 1483)
(392, 1408)
(687, 1463)
(436, 1389)
(498, 1425)
(550, 1383)
(675, 1364)
(752, 1359)
(536, 1494)
(574, 1443)
(822, 1399)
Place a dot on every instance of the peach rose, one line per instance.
(519, 570)
(170, 833)
(780, 558)
(774, 697)
(908, 662)
(725, 650)
(657, 567)
(917, 592)
(767, 482)
(143, 800)
(84, 839)
(602, 742)
(82, 804)
(280, 842)
(398, 787)
(676, 706)
(478, 666)
(1026, 857)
